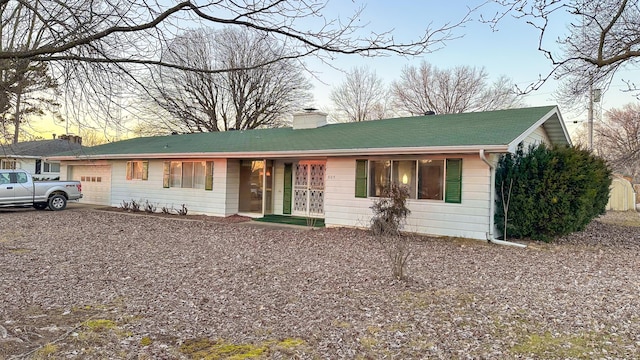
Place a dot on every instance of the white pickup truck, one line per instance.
(17, 188)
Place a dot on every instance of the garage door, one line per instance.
(96, 183)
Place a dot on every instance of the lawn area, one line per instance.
(92, 284)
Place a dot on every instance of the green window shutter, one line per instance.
(145, 170)
(453, 190)
(129, 170)
(361, 178)
(166, 174)
(288, 189)
(208, 177)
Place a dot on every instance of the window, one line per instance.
(380, 177)
(404, 173)
(21, 178)
(431, 179)
(8, 164)
(137, 170)
(426, 179)
(176, 174)
(51, 167)
(188, 174)
(13, 178)
(91, 179)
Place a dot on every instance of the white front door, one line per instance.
(308, 188)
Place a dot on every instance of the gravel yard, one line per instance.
(92, 284)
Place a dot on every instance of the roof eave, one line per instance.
(566, 139)
(13, 156)
(299, 154)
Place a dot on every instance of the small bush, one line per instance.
(125, 205)
(135, 206)
(166, 210)
(554, 191)
(183, 210)
(389, 216)
(390, 210)
(149, 207)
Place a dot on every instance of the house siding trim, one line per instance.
(308, 154)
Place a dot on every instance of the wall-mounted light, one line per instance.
(405, 179)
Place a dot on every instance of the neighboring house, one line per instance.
(329, 171)
(29, 155)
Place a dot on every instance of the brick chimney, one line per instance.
(74, 139)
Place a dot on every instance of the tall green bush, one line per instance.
(554, 191)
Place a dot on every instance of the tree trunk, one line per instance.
(16, 119)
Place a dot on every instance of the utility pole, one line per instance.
(590, 117)
(594, 97)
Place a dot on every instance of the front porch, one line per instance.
(290, 188)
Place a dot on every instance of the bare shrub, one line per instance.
(149, 207)
(135, 206)
(167, 210)
(389, 217)
(183, 210)
(125, 205)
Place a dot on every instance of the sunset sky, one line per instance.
(511, 50)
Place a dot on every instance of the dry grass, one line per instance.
(622, 218)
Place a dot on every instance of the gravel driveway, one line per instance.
(91, 284)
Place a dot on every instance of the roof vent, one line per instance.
(309, 119)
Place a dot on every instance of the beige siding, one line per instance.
(232, 186)
(539, 136)
(469, 219)
(197, 201)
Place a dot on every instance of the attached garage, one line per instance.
(96, 183)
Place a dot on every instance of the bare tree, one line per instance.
(248, 98)
(97, 48)
(618, 139)
(72, 27)
(26, 86)
(426, 88)
(361, 96)
(602, 37)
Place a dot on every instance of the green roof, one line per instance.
(490, 128)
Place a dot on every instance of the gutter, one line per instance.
(492, 205)
(287, 153)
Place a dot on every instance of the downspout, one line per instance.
(492, 204)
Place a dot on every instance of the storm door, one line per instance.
(308, 189)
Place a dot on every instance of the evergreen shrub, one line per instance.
(554, 191)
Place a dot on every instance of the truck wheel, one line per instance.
(40, 206)
(57, 202)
